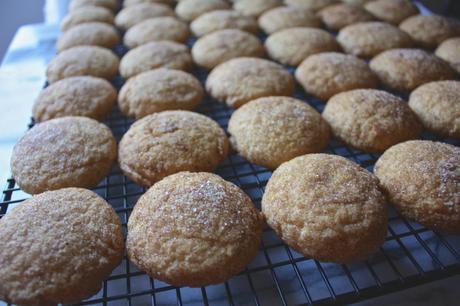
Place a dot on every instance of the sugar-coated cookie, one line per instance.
(391, 11)
(134, 14)
(338, 16)
(89, 34)
(223, 19)
(285, 17)
(313, 5)
(192, 9)
(109, 4)
(449, 51)
(255, 8)
(86, 14)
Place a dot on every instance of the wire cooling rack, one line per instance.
(411, 254)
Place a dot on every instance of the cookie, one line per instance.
(291, 46)
(326, 207)
(371, 120)
(223, 19)
(159, 54)
(223, 45)
(75, 96)
(134, 14)
(159, 90)
(83, 60)
(168, 142)
(437, 104)
(284, 17)
(58, 247)
(356, 2)
(405, 69)
(326, 74)
(134, 2)
(448, 51)
(63, 152)
(242, 79)
(272, 130)
(421, 179)
(108, 4)
(156, 29)
(338, 16)
(313, 5)
(255, 8)
(89, 34)
(86, 14)
(192, 9)
(202, 229)
(428, 31)
(367, 39)
(391, 11)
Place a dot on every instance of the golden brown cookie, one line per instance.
(108, 4)
(291, 46)
(371, 120)
(242, 79)
(89, 34)
(58, 247)
(134, 2)
(272, 130)
(134, 14)
(223, 19)
(391, 11)
(255, 8)
(86, 14)
(405, 69)
(313, 5)
(421, 180)
(326, 207)
(437, 104)
(285, 17)
(449, 51)
(223, 45)
(192, 9)
(156, 29)
(202, 229)
(367, 39)
(326, 74)
(83, 60)
(63, 152)
(168, 142)
(85, 96)
(159, 54)
(338, 16)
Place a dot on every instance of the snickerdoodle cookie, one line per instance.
(58, 247)
(291, 46)
(86, 14)
(192, 9)
(367, 39)
(134, 14)
(313, 5)
(83, 60)
(405, 69)
(134, 2)
(63, 152)
(89, 34)
(391, 11)
(108, 4)
(340, 15)
(242, 79)
(326, 207)
(168, 142)
(449, 51)
(222, 19)
(285, 17)
(437, 104)
(220, 46)
(271, 130)
(159, 54)
(156, 29)
(202, 229)
(326, 74)
(356, 2)
(255, 8)
(75, 96)
(421, 180)
(371, 120)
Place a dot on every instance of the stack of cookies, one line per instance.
(363, 59)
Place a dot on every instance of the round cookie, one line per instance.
(313, 5)
(159, 90)
(223, 19)
(255, 8)
(448, 51)
(108, 4)
(356, 2)
(89, 34)
(134, 2)
(405, 69)
(421, 179)
(75, 96)
(83, 60)
(326, 207)
(429, 31)
(63, 152)
(159, 54)
(367, 39)
(134, 14)
(291, 46)
(272, 130)
(371, 120)
(285, 17)
(242, 79)
(202, 229)
(156, 29)
(338, 16)
(437, 104)
(168, 142)
(58, 247)
(86, 14)
(223, 45)
(391, 11)
(326, 74)
(192, 9)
